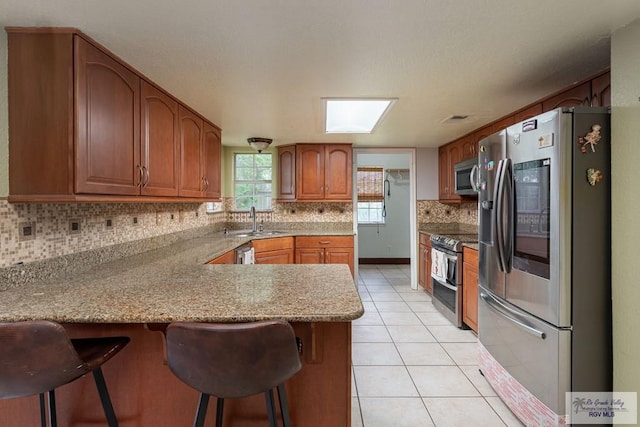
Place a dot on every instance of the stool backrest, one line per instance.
(35, 357)
(233, 360)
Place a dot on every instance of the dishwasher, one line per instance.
(245, 254)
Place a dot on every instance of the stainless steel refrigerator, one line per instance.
(545, 261)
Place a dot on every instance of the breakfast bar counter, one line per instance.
(138, 296)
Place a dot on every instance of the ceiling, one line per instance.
(259, 68)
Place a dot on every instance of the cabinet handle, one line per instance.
(206, 184)
(146, 176)
(324, 242)
(140, 176)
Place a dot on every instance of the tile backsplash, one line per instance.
(32, 232)
(432, 211)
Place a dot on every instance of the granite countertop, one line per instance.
(447, 228)
(173, 283)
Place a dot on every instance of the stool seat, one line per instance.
(38, 356)
(234, 360)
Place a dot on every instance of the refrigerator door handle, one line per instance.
(511, 315)
(496, 217)
(508, 233)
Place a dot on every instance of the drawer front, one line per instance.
(425, 239)
(324, 241)
(272, 244)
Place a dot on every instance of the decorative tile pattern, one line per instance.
(129, 222)
(434, 211)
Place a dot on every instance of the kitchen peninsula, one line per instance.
(138, 296)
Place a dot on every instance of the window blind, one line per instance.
(370, 184)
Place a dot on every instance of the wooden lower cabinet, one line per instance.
(228, 257)
(145, 393)
(424, 263)
(277, 250)
(325, 250)
(470, 288)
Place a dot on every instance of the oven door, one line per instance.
(447, 295)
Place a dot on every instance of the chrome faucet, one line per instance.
(252, 215)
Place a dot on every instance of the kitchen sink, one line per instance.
(249, 233)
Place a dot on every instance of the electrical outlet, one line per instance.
(26, 231)
(108, 223)
(74, 226)
(135, 221)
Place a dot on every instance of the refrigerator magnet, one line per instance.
(590, 139)
(594, 176)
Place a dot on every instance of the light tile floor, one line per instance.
(411, 367)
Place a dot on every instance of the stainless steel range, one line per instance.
(446, 274)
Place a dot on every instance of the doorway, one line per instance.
(390, 237)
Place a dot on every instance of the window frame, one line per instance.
(268, 203)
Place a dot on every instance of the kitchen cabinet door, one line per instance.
(427, 268)
(191, 137)
(160, 149)
(502, 124)
(468, 147)
(211, 157)
(309, 255)
(448, 156)
(287, 172)
(337, 172)
(527, 113)
(107, 138)
(575, 97)
(310, 171)
(601, 90)
(279, 256)
(421, 266)
(228, 257)
(470, 288)
(339, 256)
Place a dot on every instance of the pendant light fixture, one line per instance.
(259, 144)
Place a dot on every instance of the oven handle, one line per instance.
(446, 285)
(511, 315)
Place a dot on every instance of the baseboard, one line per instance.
(384, 260)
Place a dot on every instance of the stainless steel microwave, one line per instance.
(466, 177)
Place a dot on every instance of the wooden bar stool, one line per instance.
(38, 356)
(234, 360)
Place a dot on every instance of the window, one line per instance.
(370, 195)
(252, 180)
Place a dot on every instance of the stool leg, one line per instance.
(271, 409)
(104, 398)
(43, 411)
(284, 405)
(201, 412)
(53, 420)
(219, 411)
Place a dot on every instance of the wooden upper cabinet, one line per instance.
(191, 140)
(577, 96)
(601, 90)
(287, 172)
(337, 172)
(323, 171)
(160, 149)
(527, 113)
(468, 147)
(107, 140)
(448, 156)
(85, 126)
(310, 171)
(212, 155)
(502, 124)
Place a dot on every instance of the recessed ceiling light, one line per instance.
(355, 115)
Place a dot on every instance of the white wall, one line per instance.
(427, 173)
(625, 206)
(390, 240)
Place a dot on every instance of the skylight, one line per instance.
(354, 115)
